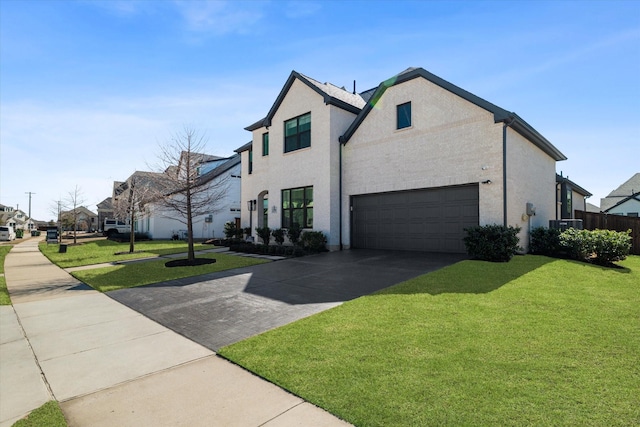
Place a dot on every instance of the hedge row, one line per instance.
(598, 246)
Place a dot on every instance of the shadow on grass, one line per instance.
(470, 276)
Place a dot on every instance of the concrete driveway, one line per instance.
(223, 308)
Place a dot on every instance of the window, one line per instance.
(250, 160)
(297, 207)
(404, 115)
(265, 212)
(297, 133)
(634, 214)
(265, 144)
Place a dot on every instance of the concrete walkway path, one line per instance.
(108, 365)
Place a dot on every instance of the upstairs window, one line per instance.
(250, 160)
(403, 115)
(265, 144)
(297, 133)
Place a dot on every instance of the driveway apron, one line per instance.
(219, 309)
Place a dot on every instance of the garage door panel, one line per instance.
(420, 220)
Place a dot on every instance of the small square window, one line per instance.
(403, 115)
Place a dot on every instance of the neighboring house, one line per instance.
(105, 210)
(161, 223)
(592, 208)
(85, 219)
(16, 218)
(570, 197)
(407, 165)
(624, 200)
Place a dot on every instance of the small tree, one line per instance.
(293, 233)
(130, 202)
(265, 234)
(230, 230)
(278, 235)
(184, 194)
(75, 199)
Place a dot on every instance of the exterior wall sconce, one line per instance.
(488, 181)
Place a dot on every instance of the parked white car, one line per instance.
(7, 233)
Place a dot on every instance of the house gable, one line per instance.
(499, 114)
(330, 94)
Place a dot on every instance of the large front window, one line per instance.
(297, 207)
(297, 133)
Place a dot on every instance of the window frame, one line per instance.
(401, 112)
(250, 165)
(299, 140)
(288, 213)
(265, 144)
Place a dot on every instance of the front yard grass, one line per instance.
(144, 273)
(101, 251)
(4, 292)
(49, 415)
(536, 341)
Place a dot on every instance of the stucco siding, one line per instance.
(630, 206)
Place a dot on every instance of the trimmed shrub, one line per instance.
(495, 243)
(545, 241)
(314, 241)
(598, 246)
(278, 235)
(578, 244)
(265, 234)
(230, 230)
(293, 233)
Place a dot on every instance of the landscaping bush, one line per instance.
(545, 241)
(598, 246)
(278, 235)
(264, 233)
(578, 244)
(314, 241)
(495, 243)
(293, 233)
(230, 230)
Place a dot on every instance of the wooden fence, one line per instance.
(593, 220)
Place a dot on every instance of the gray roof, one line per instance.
(635, 196)
(500, 115)
(575, 187)
(231, 162)
(245, 147)
(333, 95)
(627, 189)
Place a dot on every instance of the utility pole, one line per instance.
(29, 219)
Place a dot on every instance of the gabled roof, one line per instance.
(500, 115)
(635, 196)
(631, 186)
(575, 187)
(333, 95)
(230, 163)
(105, 204)
(245, 147)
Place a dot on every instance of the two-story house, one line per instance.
(406, 165)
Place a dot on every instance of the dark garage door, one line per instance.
(430, 219)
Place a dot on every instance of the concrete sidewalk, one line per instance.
(108, 365)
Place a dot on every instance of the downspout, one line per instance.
(506, 123)
(340, 194)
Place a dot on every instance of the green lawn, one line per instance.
(144, 273)
(536, 341)
(49, 415)
(4, 293)
(101, 251)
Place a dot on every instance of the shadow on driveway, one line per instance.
(222, 308)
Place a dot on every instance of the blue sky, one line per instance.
(88, 89)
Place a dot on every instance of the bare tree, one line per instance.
(184, 193)
(74, 200)
(134, 194)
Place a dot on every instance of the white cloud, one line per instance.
(219, 17)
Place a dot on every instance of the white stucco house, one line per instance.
(162, 223)
(624, 200)
(406, 165)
